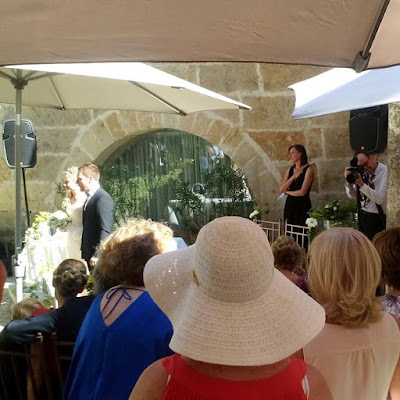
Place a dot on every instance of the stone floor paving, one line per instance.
(5, 309)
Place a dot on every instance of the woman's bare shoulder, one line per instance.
(151, 384)
(319, 389)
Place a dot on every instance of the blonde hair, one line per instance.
(25, 308)
(343, 275)
(288, 254)
(124, 253)
(70, 277)
(71, 172)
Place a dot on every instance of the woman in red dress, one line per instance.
(236, 319)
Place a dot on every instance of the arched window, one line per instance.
(175, 177)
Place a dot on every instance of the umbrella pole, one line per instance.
(19, 270)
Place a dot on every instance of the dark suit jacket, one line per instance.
(98, 221)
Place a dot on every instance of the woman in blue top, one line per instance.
(124, 330)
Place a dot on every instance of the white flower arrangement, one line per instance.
(253, 214)
(311, 222)
(331, 215)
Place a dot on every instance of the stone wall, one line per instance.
(256, 140)
(393, 210)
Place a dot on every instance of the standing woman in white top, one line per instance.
(73, 204)
(358, 350)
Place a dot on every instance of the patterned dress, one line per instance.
(391, 304)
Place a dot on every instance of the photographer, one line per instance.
(370, 181)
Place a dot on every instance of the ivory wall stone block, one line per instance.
(201, 125)
(231, 140)
(276, 144)
(340, 119)
(46, 169)
(243, 154)
(55, 140)
(217, 131)
(227, 78)
(331, 175)
(313, 144)
(5, 172)
(271, 113)
(230, 116)
(129, 121)
(44, 117)
(393, 209)
(114, 125)
(337, 142)
(76, 158)
(277, 77)
(96, 138)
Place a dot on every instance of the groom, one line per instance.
(98, 212)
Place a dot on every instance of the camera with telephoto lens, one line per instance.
(355, 170)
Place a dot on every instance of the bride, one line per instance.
(73, 205)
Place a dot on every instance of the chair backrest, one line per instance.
(63, 355)
(16, 367)
(299, 233)
(271, 229)
(39, 367)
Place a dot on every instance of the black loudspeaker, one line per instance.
(28, 143)
(369, 129)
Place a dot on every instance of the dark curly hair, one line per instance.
(387, 243)
(70, 277)
(125, 252)
(288, 254)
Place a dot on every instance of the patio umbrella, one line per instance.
(333, 33)
(123, 86)
(342, 89)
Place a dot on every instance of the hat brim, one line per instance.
(258, 332)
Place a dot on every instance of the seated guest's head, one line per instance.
(25, 308)
(343, 275)
(387, 243)
(69, 279)
(288, 255)
(289, 259)
(227, 303)
(124, 253)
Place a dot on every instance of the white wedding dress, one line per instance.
(74, 230)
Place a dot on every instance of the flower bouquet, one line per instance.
(58, 220)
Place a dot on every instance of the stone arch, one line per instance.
(110, 130)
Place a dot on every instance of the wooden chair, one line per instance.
(16, 367)
(271, 229)
(40, 367)
(63, 355)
